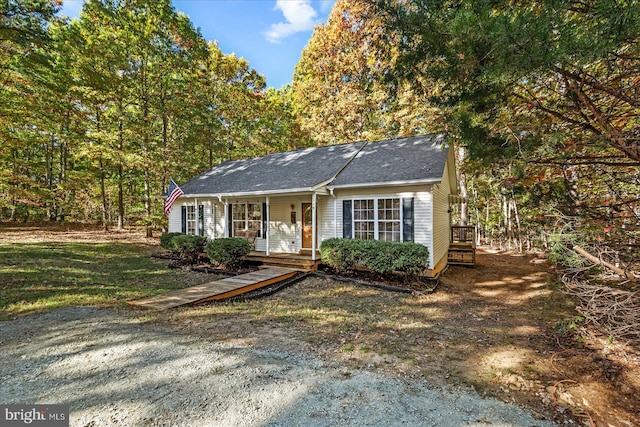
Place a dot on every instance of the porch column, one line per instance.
(313, 226)
(196, 231)
(226, 219)
(267, 231)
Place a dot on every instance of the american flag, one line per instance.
(172, 194)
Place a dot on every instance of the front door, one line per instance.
(307, 225)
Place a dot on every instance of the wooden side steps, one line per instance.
(219, 289)
(461, 254)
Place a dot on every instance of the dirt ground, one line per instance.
(532, 350)
(503, 327)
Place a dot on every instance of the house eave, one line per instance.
(385, 184)
(252, 193)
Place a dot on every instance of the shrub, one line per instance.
(165, 240)
(338, 253)
(188, 247)
(379, 256)
(229, 251)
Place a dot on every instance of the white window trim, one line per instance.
(246, 217)
(192, 224)
(376, 230)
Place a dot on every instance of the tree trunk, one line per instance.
(120, 173)
(462, 180)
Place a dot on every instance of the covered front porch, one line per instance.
(285, 227)
(282, 224)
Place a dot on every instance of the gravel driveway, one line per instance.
(114, 370)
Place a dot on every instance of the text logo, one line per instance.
(34, 415)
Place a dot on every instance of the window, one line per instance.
(254, 218)
(200, 220)
(378, 219)
(363, 219)
(247, 216)
(191, 219)
(239, 218)
(389, 220)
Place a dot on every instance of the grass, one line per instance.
(35, 277)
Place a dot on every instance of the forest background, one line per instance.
(540, 100)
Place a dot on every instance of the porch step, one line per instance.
(462, 255)
(304, 266)
(293, 261)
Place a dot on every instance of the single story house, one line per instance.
(395, 190)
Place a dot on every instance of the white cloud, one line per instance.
(299, 15)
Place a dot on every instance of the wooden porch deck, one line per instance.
(301, 261)
(219, 289)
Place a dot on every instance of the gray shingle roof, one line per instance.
(406, 160)
(278, 172)
(414, 159)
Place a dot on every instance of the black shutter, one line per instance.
(201, 219)
(347, 219)
(184, 219)
(265, 224)
(230, 220)
(407, 220)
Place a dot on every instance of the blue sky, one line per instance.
(270, 34)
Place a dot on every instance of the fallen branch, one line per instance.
(614, 312)
(606, 264)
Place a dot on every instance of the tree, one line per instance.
(543, 95)
(25, 70)
(575, 62)
(341, 86)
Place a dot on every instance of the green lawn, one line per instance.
(41, 276)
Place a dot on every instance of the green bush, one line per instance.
(165, 240)
(229, 251)
(381, 257)
(188, 247)
(338, 253)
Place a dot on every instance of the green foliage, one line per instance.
(568, 326)
(560, 251)
(166, 238)
(188, 247)
(97, 113)
(378, 256)
(229, 251)
(339, 253)
(540, 150)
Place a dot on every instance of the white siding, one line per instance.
(327, 227)
(175, 217)
(422, 206)
(213, 221)
(441, 217)
(284, 236)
